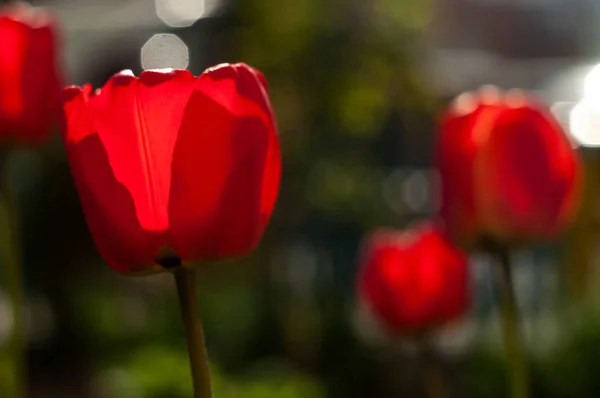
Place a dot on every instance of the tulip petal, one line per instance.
(29, 76)
(527, 175)
(107, 204)
(240, 89)
(222, 209)
(41, 83)
(15, 39)
(460, 136)
(137, 121)
(215, 210)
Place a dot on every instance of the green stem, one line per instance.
(13, 277)
(186, 289)
(432, 370)
(517, 366)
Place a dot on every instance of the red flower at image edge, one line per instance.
(413, 280)
(30, 84)
(509, 172)
(170, 160)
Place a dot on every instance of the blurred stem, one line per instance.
(432, 370)
(581, 242)
(186, 289)
(517, 366)
(13, 277)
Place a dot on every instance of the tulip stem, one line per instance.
(13, 277)
(517, 366)
(200, 368)
(433, 374)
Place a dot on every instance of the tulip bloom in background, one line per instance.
(510, 176)
(174, 169)
(30, 81)
(30, 86)
(413, 282)
(509, 173)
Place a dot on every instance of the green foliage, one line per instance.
(344, 187)
(7, 374)
(269, 381)
(232, 316)
(569, 370)
(572, 370)
(157, 371)
(485, 374)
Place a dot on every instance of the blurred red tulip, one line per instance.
(509, 172)
(413, 280)
(172, 163)
(30, 83)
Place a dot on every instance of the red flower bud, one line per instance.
(29, 75)
(413, 280)
(509, 172)
(172, 165)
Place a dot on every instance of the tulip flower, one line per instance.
(509, 172)
(30, 83)
(412, 281)
(510, 176)
(30, 86)
(174, 169)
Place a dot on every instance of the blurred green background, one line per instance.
(356, 86)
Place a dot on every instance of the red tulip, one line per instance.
(172, 163)
(29, 76)
(509, 173)
(413, 280)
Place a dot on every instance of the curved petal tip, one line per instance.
(152, 77)
(70, 92)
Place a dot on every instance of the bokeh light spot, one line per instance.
(6, 318)
(584, 124)
(179, 13)
(165, 51)
(464, 104)
(416, 191)
(412, 191)
(489, 94)
(591, 86)
(562, 113)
